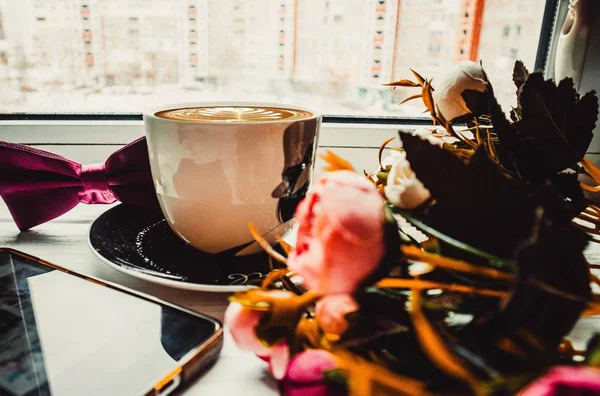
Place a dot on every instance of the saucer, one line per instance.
(139, 242)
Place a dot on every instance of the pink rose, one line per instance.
(306, 374)
(242, 324)
(565, 380)
(340, 233)
(330, 312)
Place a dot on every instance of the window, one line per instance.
(324, 58)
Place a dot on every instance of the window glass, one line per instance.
(70, 56)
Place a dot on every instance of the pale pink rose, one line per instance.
(242, 323)
(566, 380)
(306, 374)
(340, 233)
(403, 189)
(465, 75)
(330, 312)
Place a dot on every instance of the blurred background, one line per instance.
(90, 56)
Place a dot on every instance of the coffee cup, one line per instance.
(218, 166)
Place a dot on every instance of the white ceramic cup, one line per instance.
(214, 177)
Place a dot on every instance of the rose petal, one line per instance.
(310, 365)
(306, 374)
(242, 323)
(279, 359)
(566, 381)
(403, 189)
(391, 159)
(428, 134)
(330, 312)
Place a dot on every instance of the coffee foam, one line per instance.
(233, 114)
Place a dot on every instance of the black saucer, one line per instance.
(139, 242)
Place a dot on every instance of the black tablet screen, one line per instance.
(64, 335)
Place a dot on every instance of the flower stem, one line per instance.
(273, 276)
(434, 346)
(593, 172)
(381, 148)
(417, 284)
(265, 245)
(287, 248)
(335, 162)
(416, 254)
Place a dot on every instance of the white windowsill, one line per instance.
(123, 132)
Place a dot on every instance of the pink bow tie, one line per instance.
(38, 186)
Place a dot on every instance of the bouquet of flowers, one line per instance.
(456, 267)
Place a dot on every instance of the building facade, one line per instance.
(338, 51)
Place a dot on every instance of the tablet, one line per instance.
(62, 333)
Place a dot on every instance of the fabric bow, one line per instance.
(38, 186)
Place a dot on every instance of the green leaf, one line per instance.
(560, 123)
(520, 338)
(551, 292)
(402, 83)
(408, 98)
(382, 176)
(534, 148)
(520, 74)
(474, 203)
(400, 352)
(492, 261)
(476, 102)
(336, 381)
(506, 133)
(567, 185)
(419, 78)
(592, 353)
(553, 131)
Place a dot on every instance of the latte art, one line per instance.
(233, 114)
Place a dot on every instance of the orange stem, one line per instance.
(394, 283)
(415, 253)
